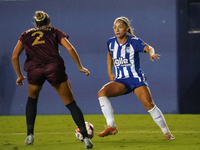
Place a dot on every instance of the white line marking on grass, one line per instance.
(135, 132)
(159, 132)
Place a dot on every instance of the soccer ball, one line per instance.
(90, 131)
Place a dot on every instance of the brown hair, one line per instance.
(41, 18)
(127, 22)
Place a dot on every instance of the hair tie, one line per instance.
(40, 19)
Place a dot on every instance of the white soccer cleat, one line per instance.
(88, 143)
(29, 140)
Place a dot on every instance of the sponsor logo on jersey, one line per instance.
(122, 62)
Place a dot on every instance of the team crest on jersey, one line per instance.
(122, 62)
(128, 49)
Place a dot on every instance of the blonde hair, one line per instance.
(127, 22)
(41, 18)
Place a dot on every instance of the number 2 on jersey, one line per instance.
(37, 40)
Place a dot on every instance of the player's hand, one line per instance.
(154, 56)
(84, 70)
(19, 80)
(111, 77)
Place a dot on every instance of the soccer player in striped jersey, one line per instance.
(123, 53)
(45, 63)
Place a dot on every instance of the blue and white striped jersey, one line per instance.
(126, 57)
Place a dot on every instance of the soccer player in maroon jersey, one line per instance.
(44, 63)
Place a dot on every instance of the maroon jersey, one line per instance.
(41, 45)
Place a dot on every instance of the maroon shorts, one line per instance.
(54, 73)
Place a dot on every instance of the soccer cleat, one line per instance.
(29, 140)
(88, 143)
(169, 136)
(108, 131)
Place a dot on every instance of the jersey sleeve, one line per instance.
(61, 34)
(21, 38)
(140, 45)
(110, 44)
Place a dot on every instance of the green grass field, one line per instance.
(136, 132)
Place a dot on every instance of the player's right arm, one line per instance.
(16, 64)
(110, 66)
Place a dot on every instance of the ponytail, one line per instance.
(131, 32)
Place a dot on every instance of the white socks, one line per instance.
(159, 119)
(155, 112)
(107, 110)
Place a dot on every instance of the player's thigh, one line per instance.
(64, 90)
(112, 89)
(34, 90)
(144, 95)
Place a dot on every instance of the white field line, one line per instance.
(132, 132)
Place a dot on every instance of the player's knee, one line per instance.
(101, 93)
(33, 95)
(148, 105)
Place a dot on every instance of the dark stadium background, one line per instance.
(170, 26)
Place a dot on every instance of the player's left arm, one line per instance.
(16, 64)
(72, 52)
(151, 52)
